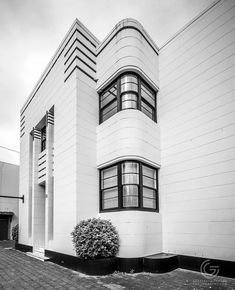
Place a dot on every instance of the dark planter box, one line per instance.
(130, 265)
(103, 266)
(160, 263)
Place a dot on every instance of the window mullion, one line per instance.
(101, 193)
(140, 186)
(120, 186)
(139, 94)
(157, 192)
(119, 94)
(155, 111)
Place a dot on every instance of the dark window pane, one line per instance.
(130, 196)
(149, 203)
(110, 203)
(109, 182)
(108, 96)
(110, 198)
(147, 110)
(147, 95)
(149, 176)
(148, 171)
(149, 193)
(147, 181)
(129, 101)
(109, 172)
(43, 138)
(109, 111)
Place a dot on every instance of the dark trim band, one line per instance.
(76, 67)
(77, 57)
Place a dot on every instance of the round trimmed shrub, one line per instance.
(95, 238)
(15, 233)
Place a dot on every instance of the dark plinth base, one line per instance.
(159, 263)
(103, 266)
(23, 248)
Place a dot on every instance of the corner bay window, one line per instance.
(128, 185)
(129, 91)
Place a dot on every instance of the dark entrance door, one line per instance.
(4, 224)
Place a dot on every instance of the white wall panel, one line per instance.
(127, 47)
(128, 133)
(140, 233)
(197, 114)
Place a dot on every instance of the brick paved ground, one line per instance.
(18, 271)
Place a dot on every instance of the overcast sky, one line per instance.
(30, 32)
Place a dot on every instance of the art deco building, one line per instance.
(136, 134)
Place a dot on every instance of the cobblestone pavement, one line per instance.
(19, 271)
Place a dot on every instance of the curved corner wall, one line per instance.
(140, 232)
(127, 47)
(129, 134)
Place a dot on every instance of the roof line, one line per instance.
(190, 22)
(76, 21)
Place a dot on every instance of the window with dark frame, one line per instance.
(128, 91)
(43, 138)
(129, 185)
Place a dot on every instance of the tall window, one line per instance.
(43, 138)
(128, 185)
(129, 91)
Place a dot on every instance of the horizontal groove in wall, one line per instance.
(198, 146)
(189, 91)
(194, 77)
(192, 137)
(189, 25)
(196, 178)
(196, 109)
(202, 166)
(188, 41)
(128, 27)
(205, 60)
(197, 157)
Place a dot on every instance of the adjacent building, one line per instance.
(9, 202)
(140, 135)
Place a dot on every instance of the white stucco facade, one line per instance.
(189, 141)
